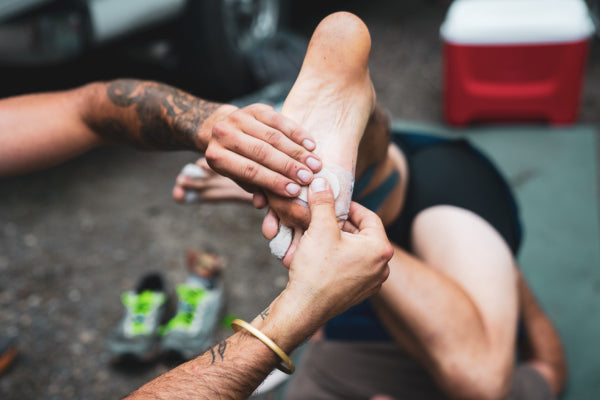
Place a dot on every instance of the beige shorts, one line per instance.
(360, 370)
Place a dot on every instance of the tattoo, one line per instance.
(168, 118)
(221, 347)
(112, 129)
(212, 353)
(265, 313)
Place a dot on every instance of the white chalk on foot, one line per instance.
(330, 177)
(193, 171)
(341, 182)
(281, 242)
(191, 196)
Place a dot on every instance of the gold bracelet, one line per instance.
(287, 365)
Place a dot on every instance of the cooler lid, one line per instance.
(516, 21)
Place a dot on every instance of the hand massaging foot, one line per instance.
(332, 99)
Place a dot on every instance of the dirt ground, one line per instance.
(74, 237)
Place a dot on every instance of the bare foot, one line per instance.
(333, 96)
(332, 99)
(204, 184)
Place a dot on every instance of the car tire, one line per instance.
(216, 41)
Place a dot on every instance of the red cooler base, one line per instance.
(513, 83)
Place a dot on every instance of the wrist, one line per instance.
(288, 321)
(206, 128)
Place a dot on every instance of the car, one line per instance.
(209, 46)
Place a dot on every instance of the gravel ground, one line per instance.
(72, 238)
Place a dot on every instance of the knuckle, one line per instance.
(272, 137)
(322, 198)
(235, 117)
(258, 151)
(298, 153)
(249, 172)
(220, 131)
(261, 108)
(295, 133)
(290, 167)
(386, 253)
(212, 155)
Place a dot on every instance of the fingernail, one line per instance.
(318, 185)
(304, 175)
(313, 163)
(293, 188)
(309, 144)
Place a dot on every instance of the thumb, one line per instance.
(322, 204)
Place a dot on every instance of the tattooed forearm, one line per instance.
(166, 118)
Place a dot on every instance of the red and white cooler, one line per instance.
(514, 60)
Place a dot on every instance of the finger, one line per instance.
(290, 212)
(178, 193)
(289, 255)
(321, 204)
(190, 183)
(364, 219)
(245, 171)
(259, 200)
(263, 145)
(218, 194)
(202, 163)
(287, 126)
(270, 225)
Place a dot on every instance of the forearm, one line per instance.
(231, 369)
(438, 323)
(41, 130)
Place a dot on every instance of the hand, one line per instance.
(332, 269)
(260, 148)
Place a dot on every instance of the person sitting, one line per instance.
(444, 324)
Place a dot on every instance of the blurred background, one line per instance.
(73, 237)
